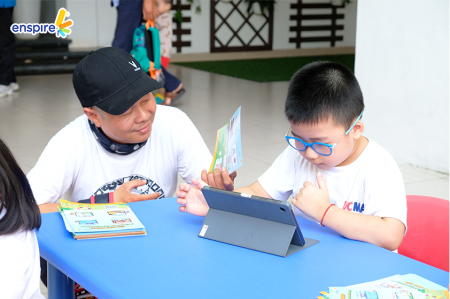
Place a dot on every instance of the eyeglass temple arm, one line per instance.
(354, 124)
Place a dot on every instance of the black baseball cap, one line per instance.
(112, 80)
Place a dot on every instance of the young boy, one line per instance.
(164, 24)
(332, 173)
(173, 88)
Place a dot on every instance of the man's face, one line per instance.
(326, 131)
(133, 126)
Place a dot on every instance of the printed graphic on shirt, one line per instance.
(353, 206)
(150, 187)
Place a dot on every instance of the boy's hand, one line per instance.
(191, 198)
(219, 179)
(149, 10)
(123, 193)
(311, 200)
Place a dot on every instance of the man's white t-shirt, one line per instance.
(20, 267)
(74, 161)
(371, 185)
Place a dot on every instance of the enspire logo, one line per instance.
(60, 28)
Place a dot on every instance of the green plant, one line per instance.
(263, 5)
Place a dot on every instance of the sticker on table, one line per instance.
(203, 231)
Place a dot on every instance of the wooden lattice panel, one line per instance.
(260, 35)
(299, 28)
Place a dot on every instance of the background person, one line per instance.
(8, 82)
(19, 217)
(130, 14)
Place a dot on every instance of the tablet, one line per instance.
(253, 222)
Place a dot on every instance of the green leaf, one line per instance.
(198, 8)
(178, 16)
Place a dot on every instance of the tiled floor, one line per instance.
(45, 104)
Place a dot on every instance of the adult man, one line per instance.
(120, 150)
(120, 145)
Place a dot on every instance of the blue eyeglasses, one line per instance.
(320, 148)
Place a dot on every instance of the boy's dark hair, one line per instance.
(322, 89)
(168, 2)
(16, 197)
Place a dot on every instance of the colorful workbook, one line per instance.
(409, 286)
(92, 221)
(228, 150)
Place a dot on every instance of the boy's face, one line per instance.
(162, 6)
(326, 131)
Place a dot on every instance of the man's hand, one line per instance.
(123, 193)
(191, 198)
(219, 179)
(311, 200)
(149, 10)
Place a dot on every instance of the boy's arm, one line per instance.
(314, 201)
(384, 232)
(254, 189)
(193, 202)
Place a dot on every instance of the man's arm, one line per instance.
(121, 194)
(48, 207)
(149, 10)
(220, 179)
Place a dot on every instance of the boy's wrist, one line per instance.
(321, 211)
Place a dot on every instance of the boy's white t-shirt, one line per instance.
(371, 185)
(74, 161)
(20, 266)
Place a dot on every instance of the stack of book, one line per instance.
(409, 286)
(93, 221)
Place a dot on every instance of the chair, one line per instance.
(427, 238)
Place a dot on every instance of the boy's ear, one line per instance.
(357, 130)
(93, 115)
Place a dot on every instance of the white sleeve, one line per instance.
(193, 154)
(53, 174)
(278, 180)
(20, 268)
(386, 190)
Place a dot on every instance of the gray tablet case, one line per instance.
(252, 222)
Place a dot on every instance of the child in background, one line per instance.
(173, 88)
(330, 172)
(19, 217)
(164, 24)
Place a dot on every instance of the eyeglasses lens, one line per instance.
(322, 149)
(296, 144)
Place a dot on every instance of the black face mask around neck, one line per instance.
(112, 146)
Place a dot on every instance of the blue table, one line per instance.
(173, 262)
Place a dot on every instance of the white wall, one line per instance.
(402, 64)
(94, 23)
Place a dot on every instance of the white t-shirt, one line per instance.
(371, 185)
(74, 161)
(19, 266)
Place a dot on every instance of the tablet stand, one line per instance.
(253, 233)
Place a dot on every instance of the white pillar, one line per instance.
(402, 64)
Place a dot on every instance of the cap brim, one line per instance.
(127, 97)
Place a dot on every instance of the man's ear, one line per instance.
(93, 115)
(357, 130)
